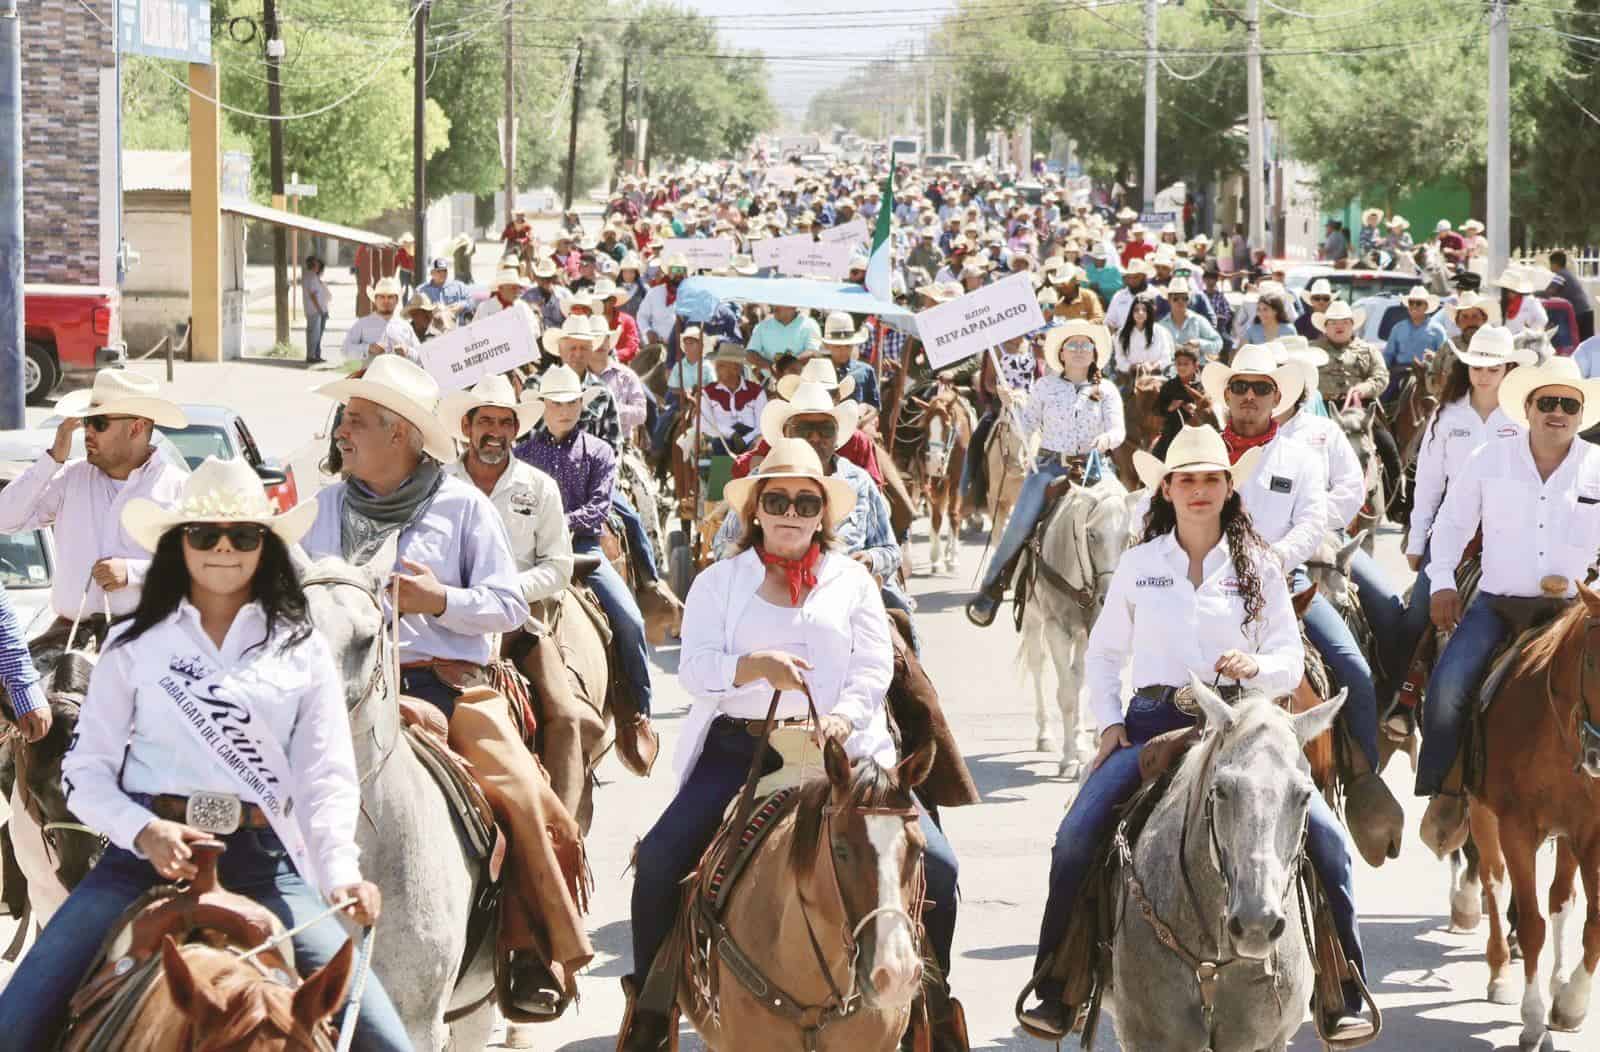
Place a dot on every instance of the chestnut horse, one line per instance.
(1142, 418)
(931, 444)
(1541, 778)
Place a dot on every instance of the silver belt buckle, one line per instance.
(219, 813)
(1184, 701)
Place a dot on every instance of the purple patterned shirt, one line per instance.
(585, 470)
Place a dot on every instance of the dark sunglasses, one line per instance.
(1550, 403)
(101, 423)
(242, 536)
(1261, 388)
(820, 429)
(806, 505)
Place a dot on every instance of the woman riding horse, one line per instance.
(220, 640)
(1201, 594)
(784, 613)
(1078, 414)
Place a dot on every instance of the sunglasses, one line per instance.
(100, 424)
(808, 429)
(242, 536)
(1550, 403)
(806, 505)
(1260, 388)
(1079, 346)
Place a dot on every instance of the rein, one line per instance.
(1581, 719)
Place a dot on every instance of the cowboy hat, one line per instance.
(1524, 278)
(606, 289)
(817, 371)
(1057, 335)
(729, 351)
(1294, 348)
(1519, 384)
(1127, 215)
(1048, 298)
(1470, 300)
(1399, 223)
(1371, 216)
(405, 389)
(1060, 272)
(1200, 241)
(1338, 310)
(118, 392)
(1420, 294)
(1472, 226)
(560, 384)
(1254, 359)
(1494, 345)
(582, 298)
(575, 327)
(218, 491)
(544, 268)
(808, 398)
(840, 329)
(389, 286)
(941, 292)
(1320, 287)
(419, 302)
(793, 458)
(1194, 449)
(1140, 266)
(676, 261)
(630, 261)
(494, 391)
(510, 275)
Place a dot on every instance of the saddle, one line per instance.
(1031, 563)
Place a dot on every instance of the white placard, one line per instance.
(705, 253)
(850, 233)
(780, 177)
(801, 257)
(990, 316)
(766, 251)
(462, 357)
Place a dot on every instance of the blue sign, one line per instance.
(177, 29)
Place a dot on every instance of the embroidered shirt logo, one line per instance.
(190, 668)
(1279, 484)
(1460, 432)
(1230, 585)
(524, 503)
(1153, 582)
(1506, 432)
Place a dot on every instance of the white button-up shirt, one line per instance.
(656, 315)
(1530, 316)
(1347, 483)
(722, 409)
(1153, 350)
(1451, 436)
(1168, 628)
(1531, 528)
(393, 333)
(131, 738)
(84, 506)
(1287, 498)
(529, 503)
(1069, 419)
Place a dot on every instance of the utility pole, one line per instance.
(508, 134)
(1498, 218)
(1150, 60)
(949, 108)
(11, 296)
(622, 124)
(572, 134)
(280, 236)
(419, 172)
(1256, 182)
(927, 109)
(972, 131)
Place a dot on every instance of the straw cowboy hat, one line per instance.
(1524, 278)
(1194, 449)
(117, 392)
(1472, 226)
(817, 371)
(226, 491)
(941, 292)
(389, 286)
(808, 398)
(1254, 359)
(1371, 216)
(1557, 372)
(1338, 310)
(575, 327)
(560, 384)
(511, 275)
(1057, 335)
(1470, 300)
(495, 391)
(840, 329)
(1493, 345)
(1399, 223)
(793, 458)
(405, 389)
(419, 302)
(729, 351)
(606, 289)
(544, 268)
(1420, 294)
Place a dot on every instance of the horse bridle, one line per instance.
(1588, 732)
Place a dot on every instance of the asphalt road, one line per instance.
(1429, 981)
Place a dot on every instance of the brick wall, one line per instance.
(64, 50)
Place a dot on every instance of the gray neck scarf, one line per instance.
(367, 520)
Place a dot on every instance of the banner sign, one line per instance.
(850, 233)
(987, 317)
(766, 252)
(780, 177)
(462, 357)
(801, 257)
(1154, 221)
(177, 29)
(705, 253)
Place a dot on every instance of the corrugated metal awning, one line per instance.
(319, 227)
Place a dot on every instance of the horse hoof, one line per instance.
(1071, 770)
(1462, 922)
(1565, 1024)
(1504, 991)
(1044, 743)
(520, 1035)
(1536, 1044)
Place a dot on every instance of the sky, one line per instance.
(819, 31)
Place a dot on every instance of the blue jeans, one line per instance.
(1416, 620)
(1453, 689)
(666, 415)
(1331, 636)
(642, 551)
(1026, 511)
(316, 324)
(33, 1006)
(627, 623)
(672, 849)
(974, 464)
(1092, 818)
(1386, 613)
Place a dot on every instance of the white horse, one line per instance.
(1082, 539)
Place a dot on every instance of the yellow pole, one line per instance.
(205, 214)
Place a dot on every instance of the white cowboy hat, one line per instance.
(606, 289)
(1372, 215)
(1254, 359)
(1057, 335)
(581, 298)
(509, 276)
(1557, 372)
(1420, 294)
(493, 391)
(840, 328)
(560, 384)
(1470, 300)
(793, 458)
(118, 392)
(809, 398)
(544, 268)
(389, 286)
(1493, 345)
(1442, 226)
(1399, 223)
(1194, 449)
(218, 491)
(941, 292)
(1472, 226)
(1524, 278)
(816, 371)
(405, 389)
(575, 327)
(1320, 287)
(1338, 310)
(1294, 349)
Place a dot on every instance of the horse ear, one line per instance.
(1591, 599)
(837, 764)
(914, 769)
(323, 990)
(1313, 721)
(1346, 554)
(299, 560)
(1218, 713)
(194, 999)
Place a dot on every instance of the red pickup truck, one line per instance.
(69, 329)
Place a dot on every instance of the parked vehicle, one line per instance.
(1350, 285)
(28, 444)
(906, 150)
(69, 329)
(939, 161)
(27, 566)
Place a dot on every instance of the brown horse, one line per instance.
(1007, 461)
(1142, 418)
(1541, 778)
(821, 870)
(934, 432)
(586, 731)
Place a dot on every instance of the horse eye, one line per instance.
(1221, 791)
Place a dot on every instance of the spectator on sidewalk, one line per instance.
(318, 302)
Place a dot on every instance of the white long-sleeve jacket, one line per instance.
(529, 503)
(1451, 436)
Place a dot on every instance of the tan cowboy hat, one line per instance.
(1061, 272)
(1472, 226)
(389, 286)
(1399, 223)
(729, 351)
(1194, 449)
(419, 302)
(218, 491)
(1338, 310)
(1524, 278)
(118, 392)
(809, 398)
(793, 458)
(1371, 215)
(575, 327)
(1420, 294)
(1470, 300)
(1057, 335)
(1558, 371)
(1254, 359)
(817, 371)
(606, 289)
(405, 389)
(1494, 345)
(941, 292)
(840, 328)
(544, 268)
(511, 275)
(493, 391)
(560, 384)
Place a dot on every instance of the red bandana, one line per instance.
(802, 572)
(1237, 444)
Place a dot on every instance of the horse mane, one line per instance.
(870, 786)
(253, 1001)
(1254, 711)
(1538, 655)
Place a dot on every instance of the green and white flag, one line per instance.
(879, 283)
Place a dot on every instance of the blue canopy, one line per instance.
(698, 297)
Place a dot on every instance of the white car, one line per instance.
(27, 565)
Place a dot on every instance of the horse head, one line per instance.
(73, 849)
(1257, 790)
(228, 1005)
(1536, 341)
(939, 421)
(1329, 568)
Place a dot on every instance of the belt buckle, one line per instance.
(1184, 701)
(219, 813)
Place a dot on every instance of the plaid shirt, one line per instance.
(894, 344)
(21, 679)
(600, 417)
(1224, 312)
